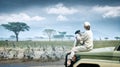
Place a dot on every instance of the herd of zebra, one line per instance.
(43, 53)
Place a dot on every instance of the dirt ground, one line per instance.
(51, 64)
(59, 63)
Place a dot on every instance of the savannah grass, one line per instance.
(36, 44)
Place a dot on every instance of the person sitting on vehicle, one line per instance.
(86, 38)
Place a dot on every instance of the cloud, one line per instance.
(22, 17)
(60, 9)
(108, 11)
(61, 18)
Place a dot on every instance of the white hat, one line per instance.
(86, 24)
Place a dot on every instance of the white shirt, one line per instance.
(87, 38)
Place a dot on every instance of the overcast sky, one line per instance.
(62, 15)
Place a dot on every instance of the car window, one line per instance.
(118, 49)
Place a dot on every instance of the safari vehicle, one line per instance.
(99, 59)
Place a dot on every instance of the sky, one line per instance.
(62, 15)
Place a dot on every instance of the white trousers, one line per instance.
(77, 49)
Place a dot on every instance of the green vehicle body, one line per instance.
(99, 59)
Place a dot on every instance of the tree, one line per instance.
(62, 34)
(49, 33)
(12, 37)
(117, 38)
(69, 36)
(58, 36)
(16, 27)
(106, 38)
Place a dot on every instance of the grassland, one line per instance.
(65, 44)
(69, 44)
(23, 44)
(106, 43)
